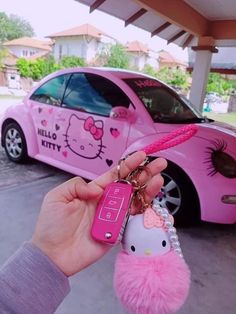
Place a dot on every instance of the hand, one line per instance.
(63, 228)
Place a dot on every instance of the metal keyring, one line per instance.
(119, 168)
(133, 177)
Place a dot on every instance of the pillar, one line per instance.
(201, 70)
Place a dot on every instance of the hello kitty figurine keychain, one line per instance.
(151, 276)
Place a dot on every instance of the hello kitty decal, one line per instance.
(84, 137)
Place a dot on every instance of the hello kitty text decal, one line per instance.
(84, 137)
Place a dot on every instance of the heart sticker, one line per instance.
(44, 123)
(40, 110)
(57, 127)
(114, 132)
(109, 162)
(65, 154)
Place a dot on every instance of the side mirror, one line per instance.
(121, 113)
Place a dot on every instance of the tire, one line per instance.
(179, 196)
(14, 143)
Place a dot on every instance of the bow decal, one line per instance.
(92, 126)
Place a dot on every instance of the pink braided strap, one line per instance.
(174, 138)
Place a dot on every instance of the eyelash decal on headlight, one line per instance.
(219, 147)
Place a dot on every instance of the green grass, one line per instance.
(229, 118)
(10, 97)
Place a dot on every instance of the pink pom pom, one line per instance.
(151, 285)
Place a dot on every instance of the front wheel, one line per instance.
(179, 196)
(14, 143)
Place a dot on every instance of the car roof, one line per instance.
(120, 73)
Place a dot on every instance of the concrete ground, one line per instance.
(210, 250)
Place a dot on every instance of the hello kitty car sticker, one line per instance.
(50, 136)
(84, 137)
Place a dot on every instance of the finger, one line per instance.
(71, 189)
(151, 190)
(154, 167)
(128, 165)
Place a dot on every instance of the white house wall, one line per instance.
(81, 46)
(24, 51)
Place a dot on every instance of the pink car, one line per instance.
(83, 120)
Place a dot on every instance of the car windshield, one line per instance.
(163, 104)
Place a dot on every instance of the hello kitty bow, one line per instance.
(151, 219)
(92, 126)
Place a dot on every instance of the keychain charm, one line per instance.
(151, 276)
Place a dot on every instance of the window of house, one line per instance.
(60, 51)
(51, 92)
(25, 53)
(94, 94)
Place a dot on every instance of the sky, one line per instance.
(52, 16)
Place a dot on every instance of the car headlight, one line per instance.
(220, 161)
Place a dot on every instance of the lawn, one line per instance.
(229, 118)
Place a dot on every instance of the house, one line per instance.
(83, 41)
(9, 75)
(140, 55)
(29, 48)
(169, 61)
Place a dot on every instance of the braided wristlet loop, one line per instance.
(174, 138)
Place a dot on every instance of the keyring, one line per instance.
(119, 168)
(133, 177)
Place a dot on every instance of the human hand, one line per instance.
(63, 228)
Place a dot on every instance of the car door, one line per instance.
(43, 104)
(91, 138)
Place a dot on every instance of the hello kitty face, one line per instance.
(142, 241)
(84, 137)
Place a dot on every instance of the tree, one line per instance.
(3, 55)
(116, 57)
(71, 62)
(217, 84)
(148, 69)
(13, 26)
(174, 76)
(37, 69)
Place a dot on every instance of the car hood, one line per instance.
(220, 126)
(208, 128)
(207, 134)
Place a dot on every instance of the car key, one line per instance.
(112, 212)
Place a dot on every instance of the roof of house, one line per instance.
(136, 46)
(85, 29)
(30, 42)
(166, 57)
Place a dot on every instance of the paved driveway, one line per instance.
(210, 250)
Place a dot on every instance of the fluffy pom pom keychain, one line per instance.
(151, 275)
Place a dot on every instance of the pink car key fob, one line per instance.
(112, 212)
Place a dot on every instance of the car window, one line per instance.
(94, 94)
(161, 102)
(51, 92)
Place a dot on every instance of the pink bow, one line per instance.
(90, 126)
(151, 219)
